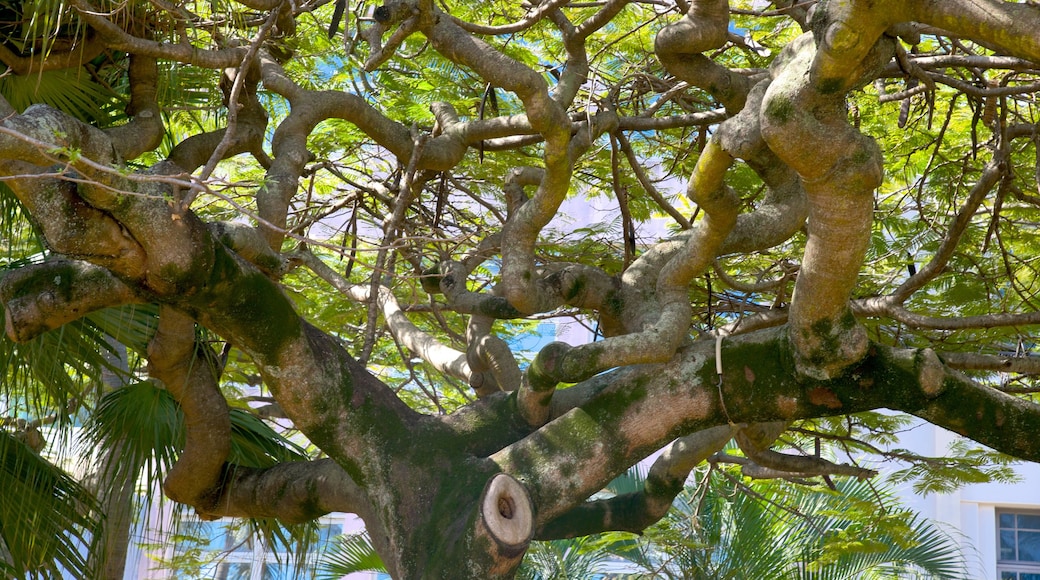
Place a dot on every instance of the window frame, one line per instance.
(1016, 567)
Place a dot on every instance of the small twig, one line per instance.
(233, 106)
(405, 195)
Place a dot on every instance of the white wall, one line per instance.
(971, 510)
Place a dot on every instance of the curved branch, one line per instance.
(658, 340)
(45, 296)
(189, 374)
(246, 134)
(785, 207)
(754, 440)
(679, 46)
(249, 243)
(1008, 25)
(549, 119)
(529, 20)
(489, 355)
(804, 122)
(85, 50)
(634, 512)
(145, 130)
(115, 37)
(445, 359)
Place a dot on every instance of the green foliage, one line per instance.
(47, 519)
(146, 426)
(74, 92)
(347, 555)
(561, 560)
(721, 527)
(964, 463)
(59, 368)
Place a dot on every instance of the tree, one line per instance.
(358, 221)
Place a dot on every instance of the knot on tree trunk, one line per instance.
(507, 515)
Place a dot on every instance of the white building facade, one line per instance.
(998, 523)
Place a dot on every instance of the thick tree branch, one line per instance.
(246, 134)
(550, 120)
(292, 492)
(667, 327)
(83, 51)
(753, 390)
(144, 131)
(1008, 25)
(189, 374)
(443, 358)
(45, 296)
(679, 46)
(634, 512)
(115, 37)
(840, 168)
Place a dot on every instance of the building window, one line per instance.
(1018, 542)
(226, 550)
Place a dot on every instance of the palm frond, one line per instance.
(922, 550)
(47, 520)
(255, 444)
(73, 91)
(145, 423)
(132, 325)
(349, 554)
(19, 236)
(50, 372)
(561, 560)
(630, 481)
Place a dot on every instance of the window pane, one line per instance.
(1007, 545)
(1029, 522)
(239, 538)
(238, 572)
(1008, 576)
(212, 534)
(325, 534)
(1027, 576)
(1007, 521)
(1029, 546)
(276, 572)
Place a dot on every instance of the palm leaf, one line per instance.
(56, 369)
(347, 555)
(255, 444)
(561, 560)
(132, 325)
(630, 481)
(21, 236)
(47, 519)
(70, 90)
(145, 423)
